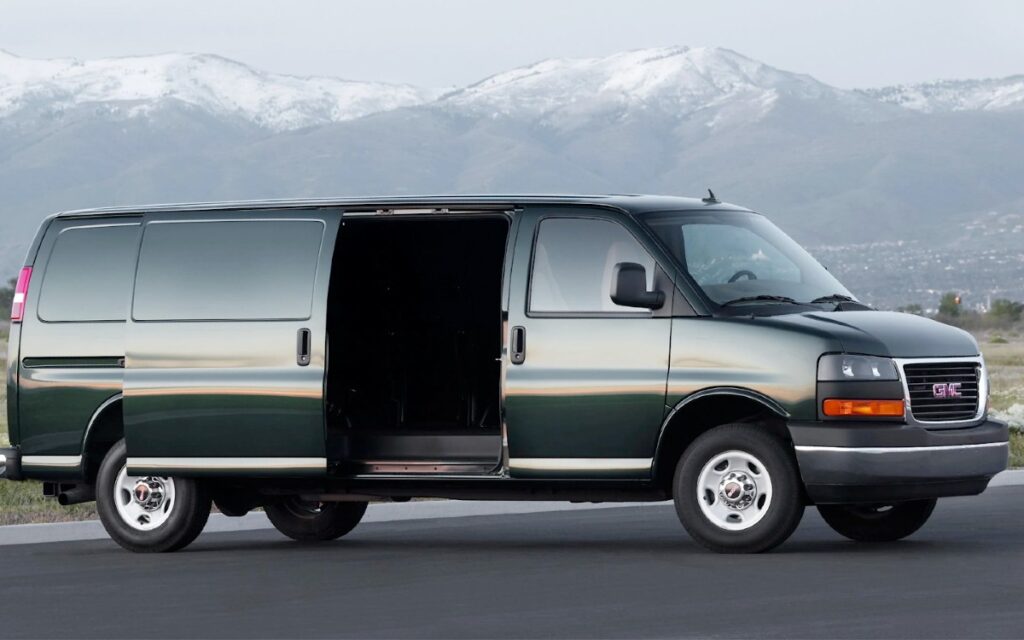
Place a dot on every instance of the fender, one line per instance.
(740, 392)
(117, 397)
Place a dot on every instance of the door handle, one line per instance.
(302, 347)
(517, 353)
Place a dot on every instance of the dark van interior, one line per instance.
(414, 341)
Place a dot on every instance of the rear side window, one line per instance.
(227, 270)
(88, 276)
(573, 263)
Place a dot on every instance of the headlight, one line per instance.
(838, 367)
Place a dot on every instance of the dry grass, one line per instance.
(23, 502)
(1005, 360)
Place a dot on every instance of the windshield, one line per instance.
(742, 258)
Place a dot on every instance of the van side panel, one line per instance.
(195, 391)
(72, 348)
(214, 384)
(62, 385)
(712, 353)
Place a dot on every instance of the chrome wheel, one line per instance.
(143, 502)
(734, 490)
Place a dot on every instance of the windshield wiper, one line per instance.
(761, 298)
(835, 297)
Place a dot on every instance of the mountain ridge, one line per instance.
(215, 83)
(690, 78)
(837, 168)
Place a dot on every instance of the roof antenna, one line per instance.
(711, 199)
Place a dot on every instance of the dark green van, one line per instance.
(308, 357)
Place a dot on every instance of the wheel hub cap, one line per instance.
(149, 493)
(738, 490)
(734, 490)
(143, 502)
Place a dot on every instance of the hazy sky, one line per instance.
(449, 42)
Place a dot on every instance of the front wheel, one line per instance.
(877, 522)
(148, 513)
(308, 521)
(737, 490)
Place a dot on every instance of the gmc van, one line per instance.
(308, 357)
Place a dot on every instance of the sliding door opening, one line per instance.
(414, 344)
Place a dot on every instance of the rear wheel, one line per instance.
(148, 513)
(737, 490)
(877, 522)
(309, 521)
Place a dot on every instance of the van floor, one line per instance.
(414, 342)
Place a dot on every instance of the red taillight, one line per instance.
(20, 293)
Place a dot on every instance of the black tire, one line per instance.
(187, 514)
(878, 522)
(314, 521)
(781, 514)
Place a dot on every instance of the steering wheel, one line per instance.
(743, 272)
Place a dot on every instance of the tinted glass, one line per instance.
(737, 255)
(573, 263)
(88, 277)
(716, 253)
(236, 270)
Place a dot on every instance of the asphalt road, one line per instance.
(620, 572)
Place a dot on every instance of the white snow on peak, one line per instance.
(210, 82)
(992, 94)
(675, 80)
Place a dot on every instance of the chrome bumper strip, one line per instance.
(950, 447)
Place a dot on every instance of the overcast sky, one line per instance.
(452, 42)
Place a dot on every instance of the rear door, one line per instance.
(226, 343)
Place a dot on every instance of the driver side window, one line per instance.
(573, 264)
(718, 253)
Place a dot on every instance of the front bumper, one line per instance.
(872, 462)
(10, 463)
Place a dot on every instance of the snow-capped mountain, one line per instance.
(992, 94)
(214, 84)
(834, 167)
(679, 81)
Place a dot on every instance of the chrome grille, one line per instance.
(921, 379)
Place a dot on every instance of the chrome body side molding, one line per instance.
(230, 464)
(580, 464)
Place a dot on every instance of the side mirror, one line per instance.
(629, 287)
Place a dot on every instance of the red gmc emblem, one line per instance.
(946, 390)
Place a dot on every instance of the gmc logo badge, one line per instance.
(946, 390)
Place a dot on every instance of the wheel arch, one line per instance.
(105, 428)
(706, 409)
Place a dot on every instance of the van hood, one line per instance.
(884, 333)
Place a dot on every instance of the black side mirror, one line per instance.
(629, 287)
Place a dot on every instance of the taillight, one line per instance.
(20, 292)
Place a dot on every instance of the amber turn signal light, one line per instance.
(887, 408)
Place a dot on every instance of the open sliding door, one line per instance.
(226, 343)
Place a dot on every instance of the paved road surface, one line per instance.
(620, 572)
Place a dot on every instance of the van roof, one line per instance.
(633, 204)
